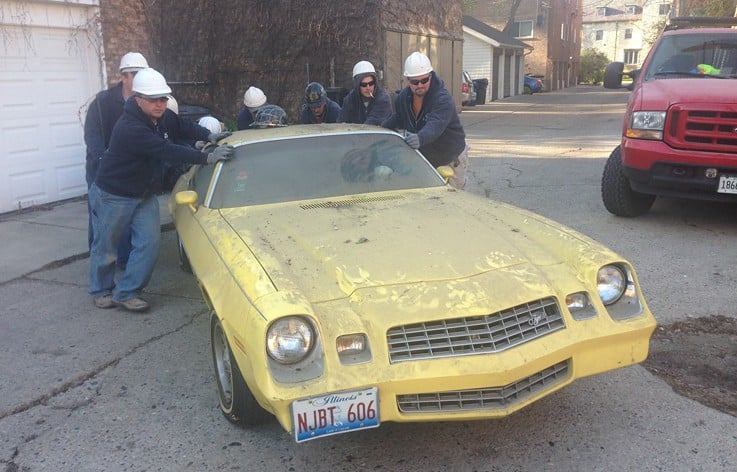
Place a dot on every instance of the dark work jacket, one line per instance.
(102, 115)
(330, 114)
(356, 111)
(129, 167)
(437, 125)
(245, 119)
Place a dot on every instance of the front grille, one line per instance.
(474, 334)
(485, 398)
(702, 130)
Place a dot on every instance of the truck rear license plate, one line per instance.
(727, 184)
(335, 413)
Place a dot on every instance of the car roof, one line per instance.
(291, 131)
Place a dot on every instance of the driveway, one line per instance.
(83, 389)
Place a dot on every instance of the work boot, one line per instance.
(134, 304)
(104, 301)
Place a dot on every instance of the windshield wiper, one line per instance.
(689, 74)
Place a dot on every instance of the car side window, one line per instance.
(201, 181)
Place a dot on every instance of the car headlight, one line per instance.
(580, 306)
(646, 125)
(611, 282)
(289, 339)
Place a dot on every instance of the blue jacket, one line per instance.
(355, 110)
(129, 167)
(102, 115)
(437, 125)
(330, 114)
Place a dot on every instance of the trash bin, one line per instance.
(193, 112)
(481, 85)
(336, 94)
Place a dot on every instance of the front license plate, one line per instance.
(727, 184)
(335, 413)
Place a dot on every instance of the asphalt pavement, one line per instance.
(48, 235)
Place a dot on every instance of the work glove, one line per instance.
(200, 145)
(215, 137)
(412, 140)
(220, 153)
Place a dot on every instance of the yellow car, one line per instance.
(349, 285)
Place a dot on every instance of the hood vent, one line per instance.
(350, 202)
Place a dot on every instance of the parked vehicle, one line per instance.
(679, 136)
(337, 303)
(533, 85)
(468, 91)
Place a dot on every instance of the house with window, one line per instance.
(623, 30)
(552, 28)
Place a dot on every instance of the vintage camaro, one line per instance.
(350, 285)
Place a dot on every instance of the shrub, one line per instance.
(593, 64)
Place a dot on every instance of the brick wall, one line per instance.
(124, 28)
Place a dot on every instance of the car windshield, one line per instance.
(706, 55)
(320, 166)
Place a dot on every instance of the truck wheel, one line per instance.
(613, 75)
(618, 196)
(237, 403)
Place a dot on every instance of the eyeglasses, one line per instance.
(154, 100)
(419, 81)
(368, 84)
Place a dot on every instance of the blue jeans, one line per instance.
(111, 215)
(124, 247)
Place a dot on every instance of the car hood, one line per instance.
(659, 94)
(329, 249)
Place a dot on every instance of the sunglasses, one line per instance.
(419, 81)
(154, 100)
(368, 84)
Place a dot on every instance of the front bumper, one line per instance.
(478, 386)
(653, 167)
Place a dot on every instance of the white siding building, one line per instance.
(623, 30)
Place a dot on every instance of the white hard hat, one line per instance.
(150, 83)
(363, 67)
(133, 61)
(211, 123)
(417, 64)
(172, 104)
(254, 97)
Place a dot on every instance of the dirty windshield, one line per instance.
(704, 55)
(320, 166)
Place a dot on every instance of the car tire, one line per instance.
(619, 198)
(237, 403)
(613, 75)
(183, 258)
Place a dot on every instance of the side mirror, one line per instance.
(187, 197)
(446, 172)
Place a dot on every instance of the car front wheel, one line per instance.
(237, 403)
(618, 196)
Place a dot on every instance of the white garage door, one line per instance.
(49, 69)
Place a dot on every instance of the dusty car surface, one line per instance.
(679, 136)
(349, 285)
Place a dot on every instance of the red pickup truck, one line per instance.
(679, 137)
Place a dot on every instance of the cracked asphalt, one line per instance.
(83, 389)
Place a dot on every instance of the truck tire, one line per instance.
(613, 75)
(618, 196)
